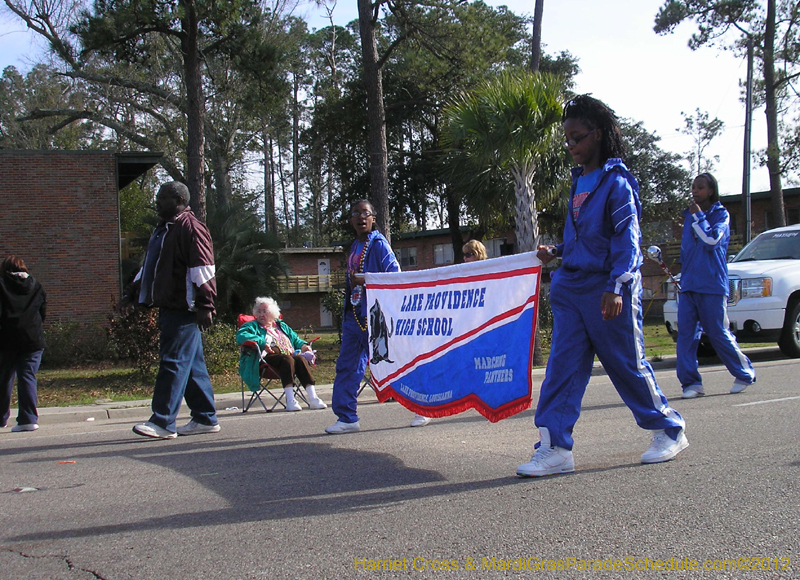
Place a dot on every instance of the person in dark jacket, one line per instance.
(23, 307)
(704, 291)
(178, 278)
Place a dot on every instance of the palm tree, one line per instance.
(510, 124)
(247, 262)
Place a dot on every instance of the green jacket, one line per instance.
(250, 359)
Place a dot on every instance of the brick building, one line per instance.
(60, 213)
(312, 273)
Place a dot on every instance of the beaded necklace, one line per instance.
(361, 259)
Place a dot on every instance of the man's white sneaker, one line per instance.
(195, 428)
(739, 386)
(664, 447)
(339, 428)
(316, 404)
(693, 391)
(420, 421)
(293, 406)
(152, 430)
(21, 428)
(548, 461)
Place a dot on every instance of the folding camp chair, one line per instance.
(365, 382)
(268, 374)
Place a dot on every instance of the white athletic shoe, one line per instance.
(420, 421)
(547, 460)
(316, 404)
(663, 448)
(340, 428)
(293, 406)
(149, 429)
(26, 427)
(739, 386)
(693, 391)
(195, 428)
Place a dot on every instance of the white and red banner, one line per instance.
(449, 339)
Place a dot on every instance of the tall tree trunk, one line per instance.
(282, 179)
(454, 223)
(773, 145)
(378, 156)
(296, 157)
(195, 110)
(270, 220)
(220, 165)
(527, 233)
(536, 40)
(526, 226)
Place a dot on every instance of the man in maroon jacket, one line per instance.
(178, 278)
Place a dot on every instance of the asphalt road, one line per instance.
(272, 496)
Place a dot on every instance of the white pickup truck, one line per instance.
(764, 300)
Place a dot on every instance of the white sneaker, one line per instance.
(693, 391)
(420, 421)
(548, 461)
(664, 447)
(739, 386)
(21, 428)
(195, 428)
(152, 430)
(339, 428)
(316, 404)
(293, 406)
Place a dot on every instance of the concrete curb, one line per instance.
(232, 402)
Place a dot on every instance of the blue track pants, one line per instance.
(698, 310)
(350, 368)
(579, 333)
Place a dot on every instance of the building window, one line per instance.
(793, 216)
(734, 222)
(407, 257)
(442, 254)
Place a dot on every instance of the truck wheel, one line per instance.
(789, 342)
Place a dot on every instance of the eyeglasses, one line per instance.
(364, 214)
(469, 254)
(572, 142)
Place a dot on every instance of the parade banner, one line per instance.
(445, 340)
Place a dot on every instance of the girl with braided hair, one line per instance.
(704, 291)
(596, 298)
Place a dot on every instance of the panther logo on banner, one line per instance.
(445, 340)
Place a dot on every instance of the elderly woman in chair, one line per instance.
(277, 343)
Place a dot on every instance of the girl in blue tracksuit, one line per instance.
(704, 290)
(596, 298)
(370, 252)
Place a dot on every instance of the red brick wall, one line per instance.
(60, 214)
(301, 310)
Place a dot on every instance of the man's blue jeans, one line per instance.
(182, 372)
(24, 365)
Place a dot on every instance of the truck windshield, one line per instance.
(772, 246)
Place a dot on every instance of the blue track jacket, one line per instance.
(605, 235)
(704, 249)
(380, 258)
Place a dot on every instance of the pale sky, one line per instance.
(642, 76)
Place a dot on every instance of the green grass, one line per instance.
(85, 385)
(88, 384)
